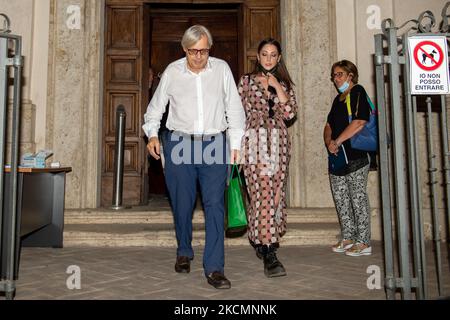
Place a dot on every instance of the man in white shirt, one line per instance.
(204, 103)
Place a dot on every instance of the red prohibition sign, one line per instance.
(419, 47)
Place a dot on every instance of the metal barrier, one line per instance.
(10, 57)
(400, 165)
(118, 158)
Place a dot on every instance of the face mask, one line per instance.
(265, 71)
(344, 87)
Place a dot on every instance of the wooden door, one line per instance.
(124, 62)
(261, 20)
(140, 34)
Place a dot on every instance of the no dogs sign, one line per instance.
(429, 65)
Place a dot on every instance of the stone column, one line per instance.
(74, 109)
(309, 51)
(21, 16)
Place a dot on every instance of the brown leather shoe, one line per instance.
(183, 264)
(218, 280)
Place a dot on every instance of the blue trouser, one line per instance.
(181, 180)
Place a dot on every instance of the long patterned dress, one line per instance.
(266, 153)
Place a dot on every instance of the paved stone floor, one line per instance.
(137, 273)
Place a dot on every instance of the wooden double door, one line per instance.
(147, 34)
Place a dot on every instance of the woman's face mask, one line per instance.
(344, 87)
(265, 71)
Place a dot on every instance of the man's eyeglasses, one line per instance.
(194, 52)
(271, 102)
(337, 75)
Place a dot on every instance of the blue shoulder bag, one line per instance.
(367, 138)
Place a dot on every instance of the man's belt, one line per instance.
(198, 137)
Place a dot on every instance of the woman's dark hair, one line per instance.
(348, 67)
(281, 72)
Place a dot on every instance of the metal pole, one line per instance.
(118, 157)
(412, 165)
(419, 201)
(399, 164)
(384, 170)
(433, 181)
(3, 110)
(446, 155)
(14, 166)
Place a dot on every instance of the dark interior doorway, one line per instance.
(167, 25)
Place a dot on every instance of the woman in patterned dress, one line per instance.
(269, 101)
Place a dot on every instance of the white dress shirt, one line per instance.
(203, 103)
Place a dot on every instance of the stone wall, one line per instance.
(21, 15)
(73, 118)
(308, 39)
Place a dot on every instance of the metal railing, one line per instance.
(10, 57)
(402, 192)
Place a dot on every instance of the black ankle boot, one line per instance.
(259, 251)
(272, 266)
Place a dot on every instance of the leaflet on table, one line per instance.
(37, 160)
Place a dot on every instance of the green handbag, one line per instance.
(236, 213)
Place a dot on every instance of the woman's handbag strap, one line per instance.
(235, 166)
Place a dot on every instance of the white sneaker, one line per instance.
(359, 249)
(342, 246)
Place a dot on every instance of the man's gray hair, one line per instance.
(194, 34)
